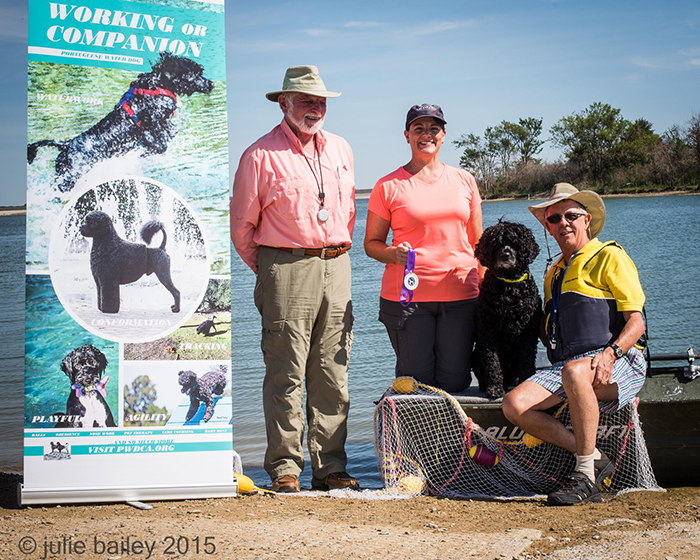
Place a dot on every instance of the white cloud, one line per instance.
(695, 61)
(647, 63)
(362, 24)
(316, 32)
(439, 27)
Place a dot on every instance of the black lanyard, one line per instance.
(557, 287)
(319, 185)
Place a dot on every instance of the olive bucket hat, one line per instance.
(590, 200)
(302, 79)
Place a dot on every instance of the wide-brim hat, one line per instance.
(302, 79)
(590, 200)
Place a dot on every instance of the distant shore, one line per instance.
(12, 210)
(363, 194)
(611, 195)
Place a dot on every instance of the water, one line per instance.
(659, 233)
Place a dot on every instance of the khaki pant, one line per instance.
(307, 322)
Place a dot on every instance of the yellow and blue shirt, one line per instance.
(587, 298)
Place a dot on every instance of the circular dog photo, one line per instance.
(128, 259)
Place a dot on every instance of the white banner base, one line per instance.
(31, 496)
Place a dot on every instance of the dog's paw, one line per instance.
(494, 392)
(175, 308)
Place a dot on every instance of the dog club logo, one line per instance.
(57, 451)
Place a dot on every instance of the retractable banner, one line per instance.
(128, 302)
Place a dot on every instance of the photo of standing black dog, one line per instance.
(508, 310)
(86, 406)
(202, 390)
(115, 261)
(141, 120)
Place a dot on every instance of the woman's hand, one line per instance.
(402, 253)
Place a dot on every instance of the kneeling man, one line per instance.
(593, 332)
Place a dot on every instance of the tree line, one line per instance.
(601, 150)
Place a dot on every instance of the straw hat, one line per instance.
(302, 79)
(564, 191)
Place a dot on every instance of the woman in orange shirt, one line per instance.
(434, 213)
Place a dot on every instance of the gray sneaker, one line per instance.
(578, 489)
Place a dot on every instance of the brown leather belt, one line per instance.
(324, 253)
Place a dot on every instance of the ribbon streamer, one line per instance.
(410, 279)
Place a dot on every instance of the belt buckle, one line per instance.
(323, 253)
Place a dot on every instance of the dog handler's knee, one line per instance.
(510, 407)
(577, 373)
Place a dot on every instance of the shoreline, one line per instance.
(363, 194)
(317, 526)
(610, 195)
(12, 211)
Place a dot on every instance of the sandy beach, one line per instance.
(639, 525)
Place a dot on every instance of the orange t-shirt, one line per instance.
(433, 219)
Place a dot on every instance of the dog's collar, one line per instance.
(134, 91)
(526, 276)
(100, 387)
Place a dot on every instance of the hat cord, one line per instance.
(550, 259)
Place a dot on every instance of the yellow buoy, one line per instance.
(245, 484)
(404, 385)
(411, 484)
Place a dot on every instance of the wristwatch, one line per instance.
(616, 350)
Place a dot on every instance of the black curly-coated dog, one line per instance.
(141, 120)
(115, 261)
(202, 389)
(206, 326)
(86, 406)
(508, 309)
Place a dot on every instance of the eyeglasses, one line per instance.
(570, 217)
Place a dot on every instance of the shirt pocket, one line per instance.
(294, 198)
(346, 184)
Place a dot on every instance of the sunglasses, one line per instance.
(570, 217)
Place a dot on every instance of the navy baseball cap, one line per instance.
(425, 110)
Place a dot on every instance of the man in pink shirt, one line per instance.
(292, 218)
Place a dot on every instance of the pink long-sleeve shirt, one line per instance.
(276, 200)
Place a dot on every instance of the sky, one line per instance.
(482, 61)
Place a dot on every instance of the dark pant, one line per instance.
(433, 341)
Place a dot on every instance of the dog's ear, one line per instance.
(531, 248)
(67, 367)
(101, 359)
(483, 249)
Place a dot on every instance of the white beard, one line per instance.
(305, 128)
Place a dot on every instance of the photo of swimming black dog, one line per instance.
(202, 390)
(86, 406)
(115, 261)
(508, 309)
(141, 120)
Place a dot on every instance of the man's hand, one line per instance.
(602, 365)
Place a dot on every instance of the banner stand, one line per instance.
(128, 392)
(33, 496)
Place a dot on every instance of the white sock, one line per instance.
(584, 464)
(596, 454)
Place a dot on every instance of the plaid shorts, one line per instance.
(629, 372)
